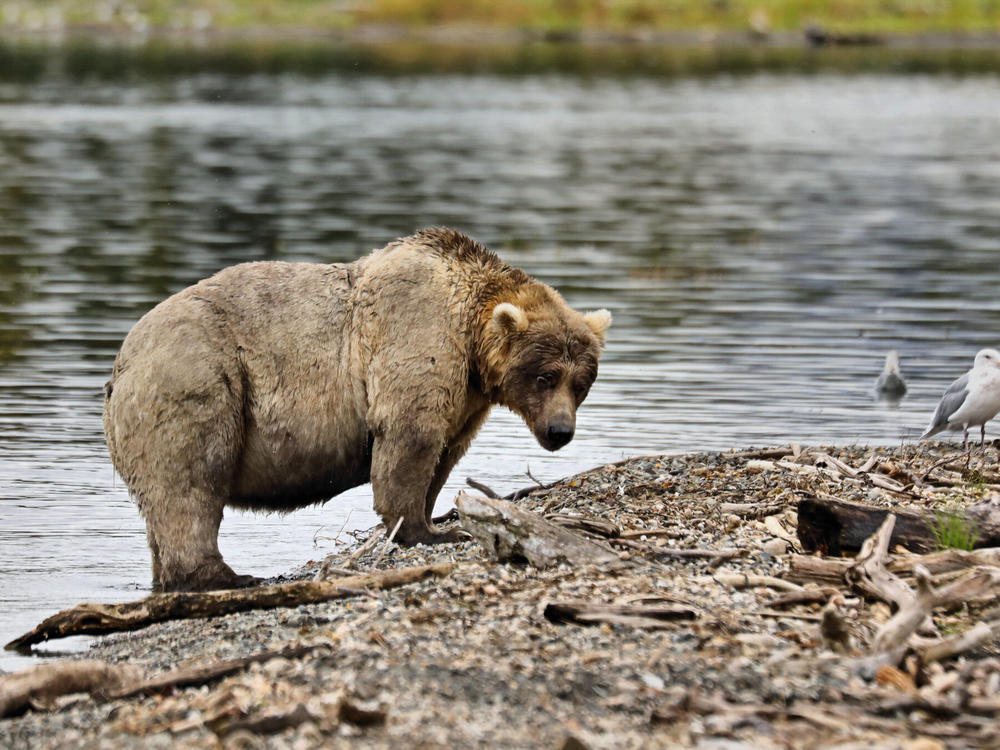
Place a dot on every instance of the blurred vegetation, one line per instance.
(876, 16)
(30, 61)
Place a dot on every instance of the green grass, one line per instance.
(887, 16)
(954, 531)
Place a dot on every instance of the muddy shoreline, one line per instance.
(479, 657)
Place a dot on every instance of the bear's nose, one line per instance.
(559, 433)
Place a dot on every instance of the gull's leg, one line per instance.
(965, 438)
(982, 435)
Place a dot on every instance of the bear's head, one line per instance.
(541, 360)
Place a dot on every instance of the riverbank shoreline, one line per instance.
(814, 37)
(704, 631)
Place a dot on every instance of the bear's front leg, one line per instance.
(403, 467)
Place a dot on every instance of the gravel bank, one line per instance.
(473, 660)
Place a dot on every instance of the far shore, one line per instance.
(459, 35)
(110, 53)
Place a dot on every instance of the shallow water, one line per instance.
(761, 240)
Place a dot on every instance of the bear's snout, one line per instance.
(558, 433)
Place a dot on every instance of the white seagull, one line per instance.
(973, 399)
(890, 384)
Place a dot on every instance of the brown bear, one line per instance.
(274, 385)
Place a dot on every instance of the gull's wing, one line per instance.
(951, 402)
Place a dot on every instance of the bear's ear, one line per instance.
(509, 317)
(599, 321)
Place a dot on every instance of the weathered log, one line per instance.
(95, 619)
(594, 527)
(900, 626)
(869, 573)
(976, 636)
(634, 615)
(511, 533)
(837, 526)
(821, 570)
(947, 560)
(37, 687)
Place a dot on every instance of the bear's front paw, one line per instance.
(430, 535)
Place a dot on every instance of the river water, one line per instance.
(762, 240)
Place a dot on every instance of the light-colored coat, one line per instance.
(277, 385)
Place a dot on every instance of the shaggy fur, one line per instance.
(275, 385)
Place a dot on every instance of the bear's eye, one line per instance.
(546, 380)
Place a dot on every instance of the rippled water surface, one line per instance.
(761, 240)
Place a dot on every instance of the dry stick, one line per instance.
(482, 488)
(777, 613)
(762, 453)
(95, 619)
(752, 510)
(199, 674)
(339, 531)
(974, 637)
(936, 464)
(532, 477)
(719, 555)
(636, 615)
(835, 463)
(948, 560)
(744, 581)
(900, 626)
(595, 527)
(806, 596)
(868, 464)
(388, 541)
(638, 533)
(365, 548)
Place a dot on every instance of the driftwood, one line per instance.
(38, 687)
(974, 637)
(596, 527)
(199, 674)
(827, 571)
(714, 556)
(510, 533)
(837, 526)
(517, 494)
(948, 560)
(805, 596)
(95, 619)
(900, 626)
(869, 573)
(634, 615)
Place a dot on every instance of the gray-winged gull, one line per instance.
(890, 383)
(973, 399)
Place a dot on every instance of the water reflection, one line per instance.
(762, 241)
